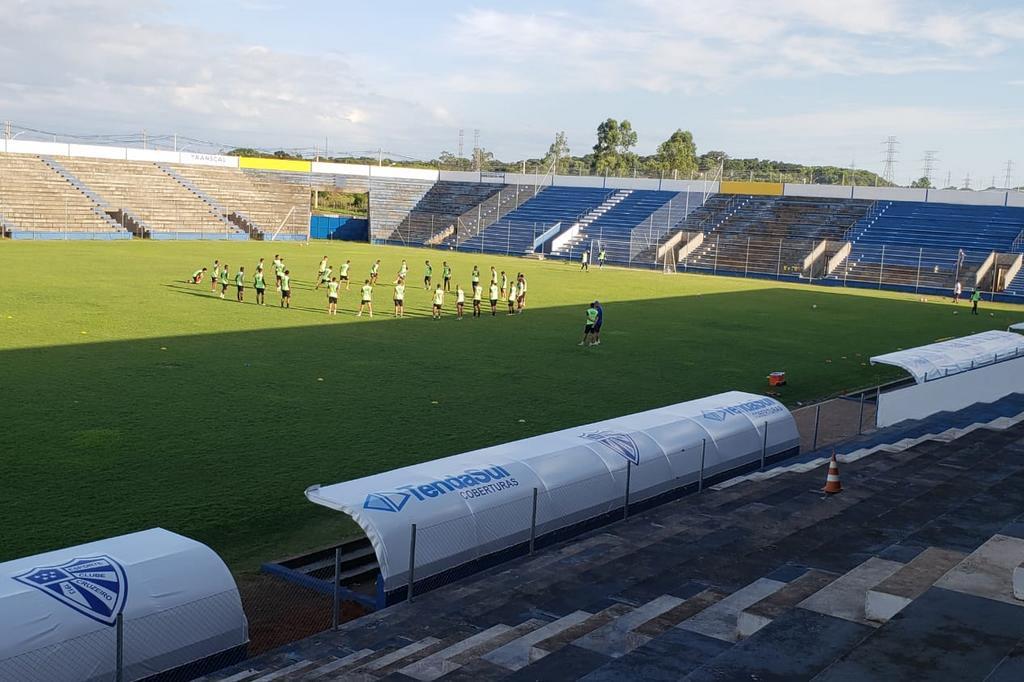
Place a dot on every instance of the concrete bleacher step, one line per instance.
(893, 594)
(527, 649)
(760, 614)
(988, 571)
(719, 620)
(452, 657)
(619, 636)
(844, 597)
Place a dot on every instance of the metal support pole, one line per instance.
(778, 266)
(746, 261)
(917, 283)
(337, 588)
(533, 523)
(700, 480)
(817, 416)
(881, 267)
(119, 665)
(625, 506)
(764, 445)
(860, 418)
(412, 562)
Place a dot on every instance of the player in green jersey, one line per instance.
(326, 277)
(428, 274)
(521, 292)
(332, 296)
(438, 301)
(494, 275)
(374, 272)
(504, 284)
(403, 272)
(475, 279)
(197, 276)
(492, 291)
(446, 275)
(510, 297)
(588, 328)
(366, 298)
(259, 283)
(321, 269)
(278, 270)
(400, 298)
(214, 274)
(286, 289)
(225, 280)
(343, 274)
(478, 292)
(601, 256)
(460, 301)
(240, 284)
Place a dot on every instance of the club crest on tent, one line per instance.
(621, 443)
(715, 415)
(389, 501)
(96, 586)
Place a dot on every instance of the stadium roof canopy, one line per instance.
(472, 505)
(58, 610)
(944, 358)
(1019, 327)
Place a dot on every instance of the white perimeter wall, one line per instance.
(955, 392)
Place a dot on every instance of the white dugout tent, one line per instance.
(58, 610)
(478, 503)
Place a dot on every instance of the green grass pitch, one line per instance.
(132, 399)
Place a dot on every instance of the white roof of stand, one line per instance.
(1019, 327)
(941, 359)
(58, 610)
(474, 504)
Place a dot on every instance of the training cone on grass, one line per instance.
(832, 484)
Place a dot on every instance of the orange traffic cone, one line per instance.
(832, 484)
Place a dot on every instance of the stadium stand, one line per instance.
(37, 202)
(771, 236)
(515, 232)
(909, 573)
(156, 204)
(441, 207)
(390, 203)
(934, 244)
(255, 203)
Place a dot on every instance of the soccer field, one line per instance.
(132, 399)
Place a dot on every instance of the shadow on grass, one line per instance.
(217, 435)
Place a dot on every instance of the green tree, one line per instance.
(678, 154)
(612, 153)
(922, 183)
(711, 160)
(558, 154)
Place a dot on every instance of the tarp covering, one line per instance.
(941, 359)
(58, 610)
(471, 505)
(1019, 327)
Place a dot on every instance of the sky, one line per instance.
(809, 81)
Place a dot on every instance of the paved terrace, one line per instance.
(907, 574)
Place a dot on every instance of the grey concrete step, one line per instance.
(439, 663)
(719, 620)
(619, 636)
(758, 615)
(988, 571)
(844, 597)
(523, 651)
(890, 596)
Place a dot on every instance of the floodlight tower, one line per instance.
(889, 156)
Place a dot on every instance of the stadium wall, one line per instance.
(421, 175)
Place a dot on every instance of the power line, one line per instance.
(928, 164)
(889, 156)
(1008, 168)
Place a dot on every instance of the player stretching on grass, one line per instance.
(286, 289)
(332, 296)
(446, 275)
(259, 283)
(478, 292)
(400, 298)
(326, 277)
(460, 301)
(197, 276)
(225, 280)
(367, 298)
(240, 284)
(588, 328)
(438, 301)
(343, 273)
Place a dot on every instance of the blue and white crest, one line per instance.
(95, 586)
(620, 443)
(390, 501)
(715, 415)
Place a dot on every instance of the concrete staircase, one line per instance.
(215, 208)
(909, 572)
(579, 230)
